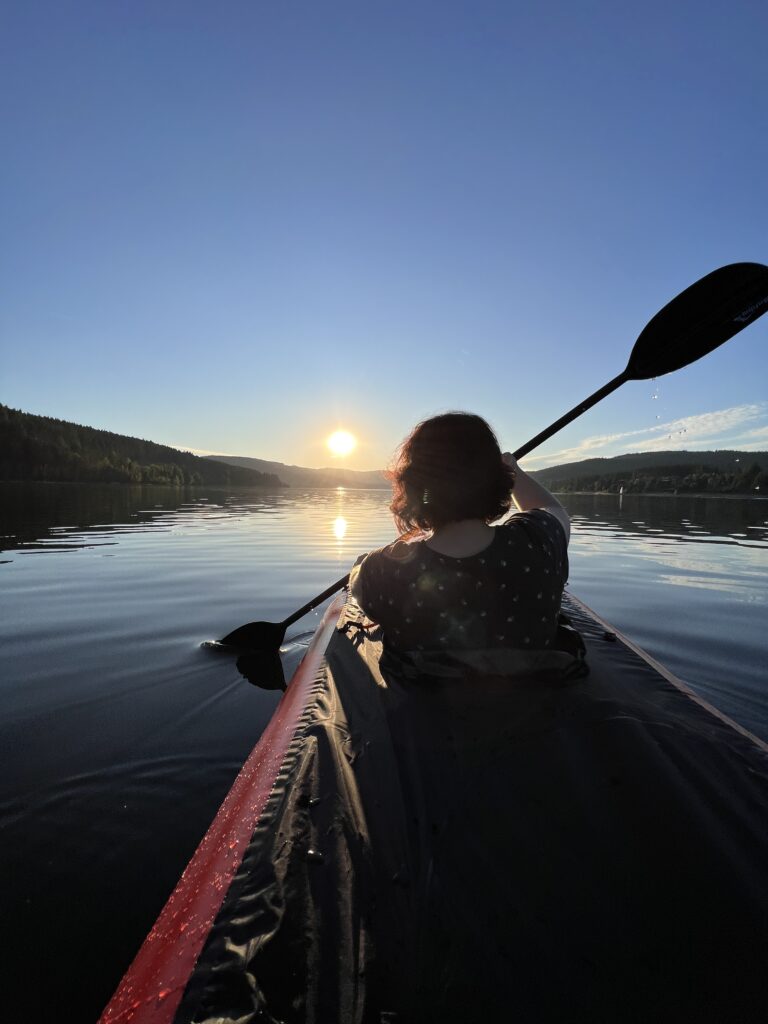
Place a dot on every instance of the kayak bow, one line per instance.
(153, 985)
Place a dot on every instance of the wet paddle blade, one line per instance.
(700, 319)
(256, 636)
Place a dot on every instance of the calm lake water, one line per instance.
(119, 735)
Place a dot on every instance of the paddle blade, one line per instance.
(700, 319)
(256, 636)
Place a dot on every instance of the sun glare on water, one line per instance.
(341, 443)
(340, 528)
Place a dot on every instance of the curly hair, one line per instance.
(449, 468)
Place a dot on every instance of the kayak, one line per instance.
(466, 838)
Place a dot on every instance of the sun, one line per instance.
(341, 443)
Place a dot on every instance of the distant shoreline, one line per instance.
(280, 488)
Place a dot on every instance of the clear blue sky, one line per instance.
(235, 226)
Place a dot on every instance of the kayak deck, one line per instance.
(461, 848)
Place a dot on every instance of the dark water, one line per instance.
(119, 736)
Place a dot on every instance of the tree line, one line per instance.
(671, 479)
(42, 448)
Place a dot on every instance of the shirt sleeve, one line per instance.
(365, 583)
(546, 532)
(377, 588)
(355, 585)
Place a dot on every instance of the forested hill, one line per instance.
(716, 472)
(42, 448)
(300, 476)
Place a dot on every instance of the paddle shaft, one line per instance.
(576, 411)
(310, 605)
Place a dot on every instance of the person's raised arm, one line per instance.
(355, 583)
(528, 494)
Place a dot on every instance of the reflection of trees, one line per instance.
(51, 513)
(73, 515)
(57, 514)
(682, 517)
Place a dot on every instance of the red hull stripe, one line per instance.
(154, 984)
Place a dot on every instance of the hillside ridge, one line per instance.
(36, 447)
(720, 471)
(302, 476)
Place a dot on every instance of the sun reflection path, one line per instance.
(339, 527)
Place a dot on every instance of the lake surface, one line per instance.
(120, 736)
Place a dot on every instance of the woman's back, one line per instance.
(506, 595)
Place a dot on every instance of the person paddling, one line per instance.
(453, 580)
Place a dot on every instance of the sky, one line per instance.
(237, 226)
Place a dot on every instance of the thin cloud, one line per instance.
(719, 428)
(755, 440)
(758, 434)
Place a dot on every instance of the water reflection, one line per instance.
(718, 520)
(60, 517)
(702, 543)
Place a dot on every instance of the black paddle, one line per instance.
(694, 323)
(265, 636)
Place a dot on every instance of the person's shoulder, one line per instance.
(556, 520)
(543, 521)
(401, 552)
(379, 570)
(541, 516)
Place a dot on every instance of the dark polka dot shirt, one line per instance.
(507, 595)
